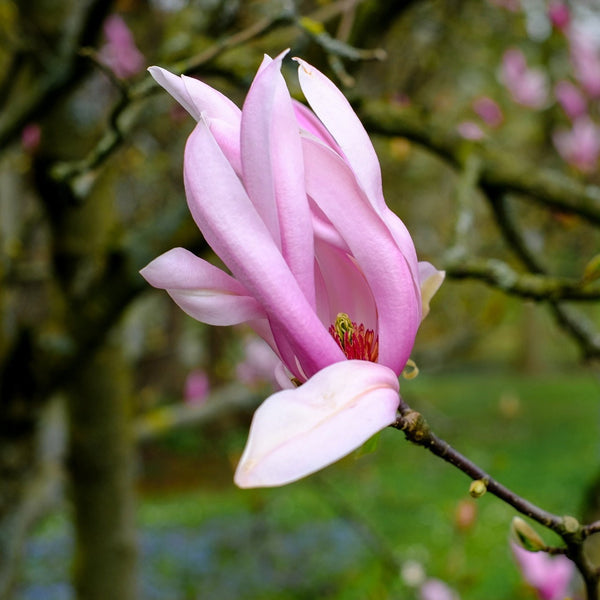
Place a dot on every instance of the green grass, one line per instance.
(329, 535)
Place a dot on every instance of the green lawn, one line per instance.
(338, 533)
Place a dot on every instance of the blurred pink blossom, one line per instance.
(548, 575)
(571, 99)
(488, 110)
(120, 52)
(31, 137)
(559, 15)
(196, 388)
(527, 86)
(435, 589)
(470, 130)
(580, 145)
(585, 55)
(259, 363)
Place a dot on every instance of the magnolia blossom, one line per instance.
(470, 130)
(585, 55)
(527, 86)
(559, 15)
(580, 145)
(570, 98)
(488, 110)
(436, 589)
(196, 387)
(549, 575)
(291, 201)
(120, 52)
(31, 136)
(259, 363)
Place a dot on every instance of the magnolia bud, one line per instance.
(524, 535)
(477, 488)
(571, 524)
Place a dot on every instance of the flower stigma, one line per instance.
(356, 341)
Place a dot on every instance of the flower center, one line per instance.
(355, 341)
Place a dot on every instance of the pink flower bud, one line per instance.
(559, 15)
(580, 145)
(571, 99)
(120, 52)
(470, 130)
(196, 388)
(527, 86)
(585, 55)
(489, 111)
(549, 575)
(31, 137)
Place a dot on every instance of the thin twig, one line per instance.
(568, 528)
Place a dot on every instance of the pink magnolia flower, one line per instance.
(259, 363)
(196, 387)
(585, 55)
(120, 52)
(489, 111)
(321, 268)
(571, 99)
(527, 86)
(436, 589)
(31, 136)
(470, 130)
(559, 15)
(549, 575)
(580, 145)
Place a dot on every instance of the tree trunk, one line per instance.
(100, 464)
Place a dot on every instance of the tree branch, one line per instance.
(526, 285)
(417, 430)
(497, 171)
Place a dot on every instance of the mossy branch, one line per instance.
(534, 286)
(497, 170)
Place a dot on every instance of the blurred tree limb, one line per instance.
(63, 70)
(534, 286)
(120, 124)
(497, 170)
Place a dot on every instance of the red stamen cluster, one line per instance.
(357, 343)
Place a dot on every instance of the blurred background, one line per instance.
(122, 419)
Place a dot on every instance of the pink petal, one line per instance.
(297, 432)
(273, 170)
(377, 254)
(202, 290)
(198, 98)
(338, 273)
(310, 123)
(331, 106)
(235, 231)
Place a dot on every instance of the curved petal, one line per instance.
(273, 170)
(202, 290)
(196, 96)
(335, 112)
(235, 231)
(382, 262)
(199, 98)
(430, 280)
(297, 432)
(310, 123)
